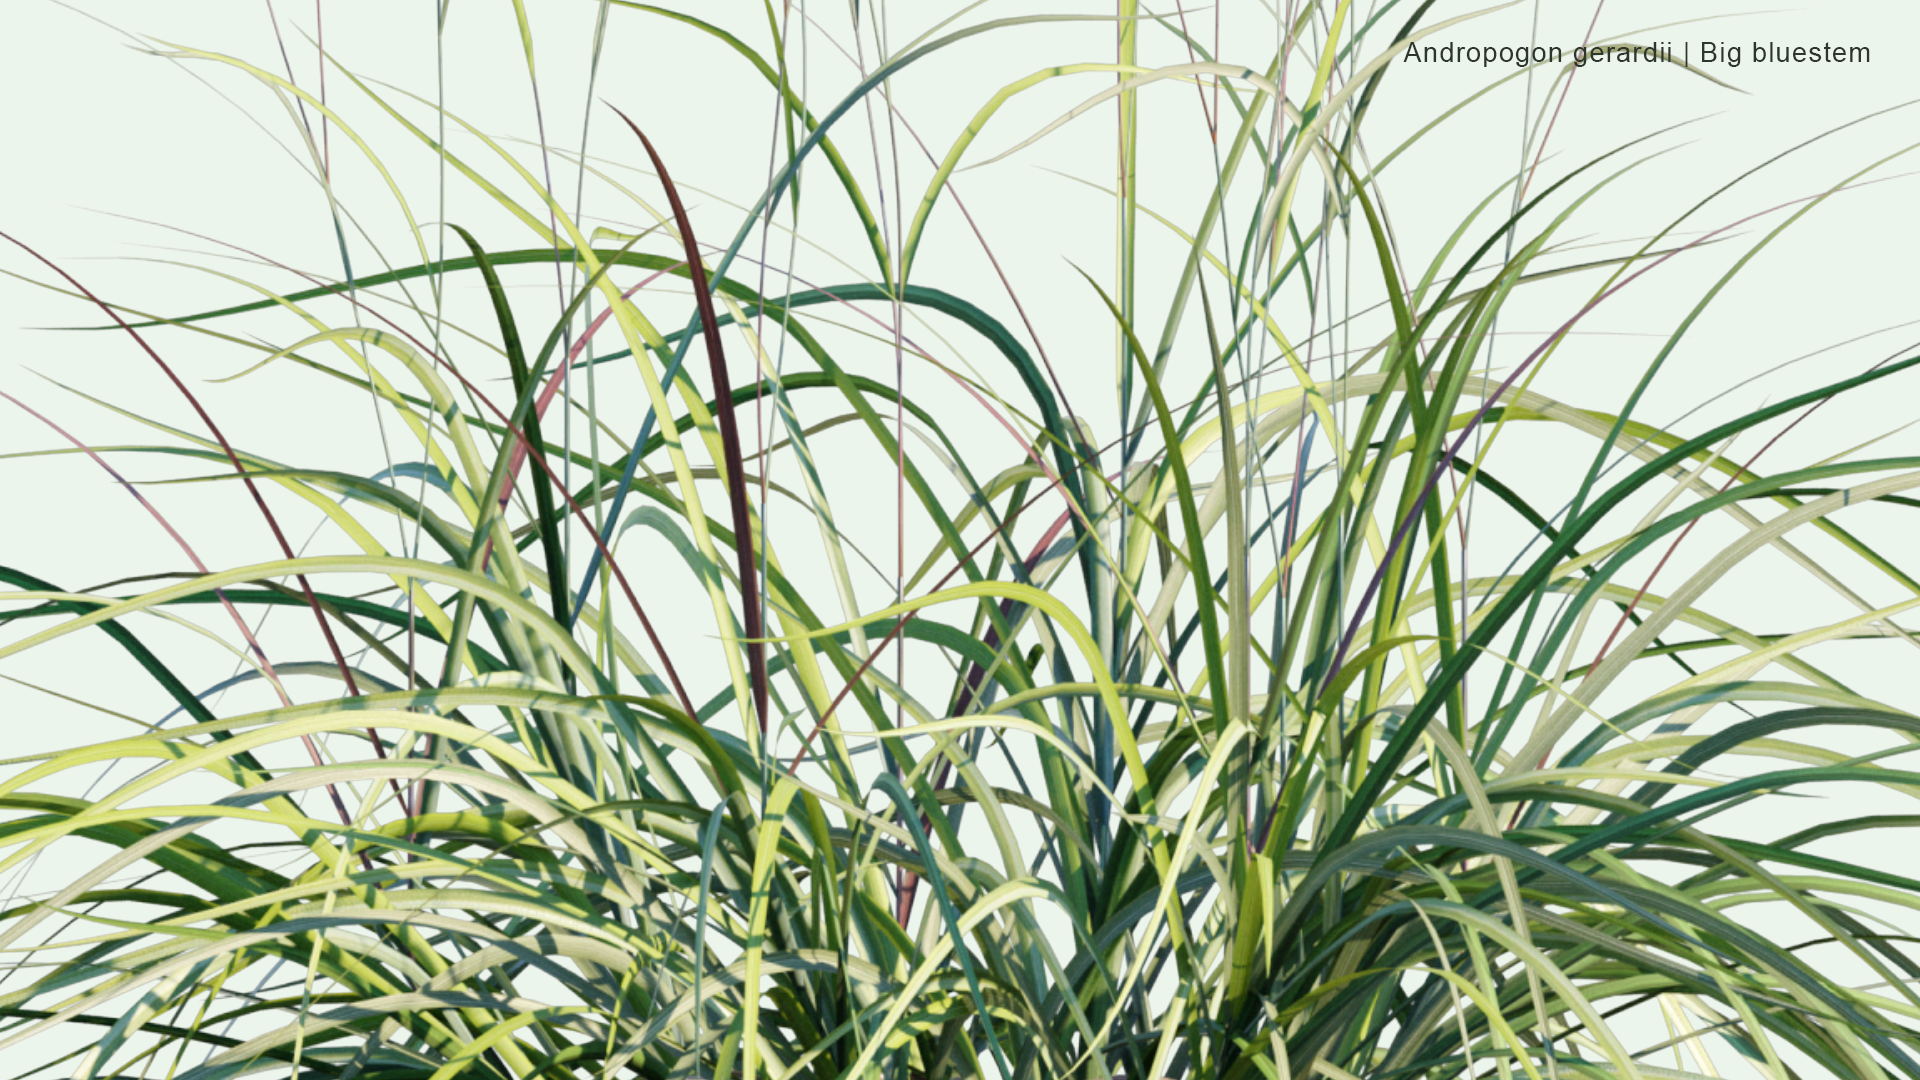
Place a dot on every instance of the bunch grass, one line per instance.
(1219, 752)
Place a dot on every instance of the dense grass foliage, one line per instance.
(682, 699)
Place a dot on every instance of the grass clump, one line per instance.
(682, 695)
